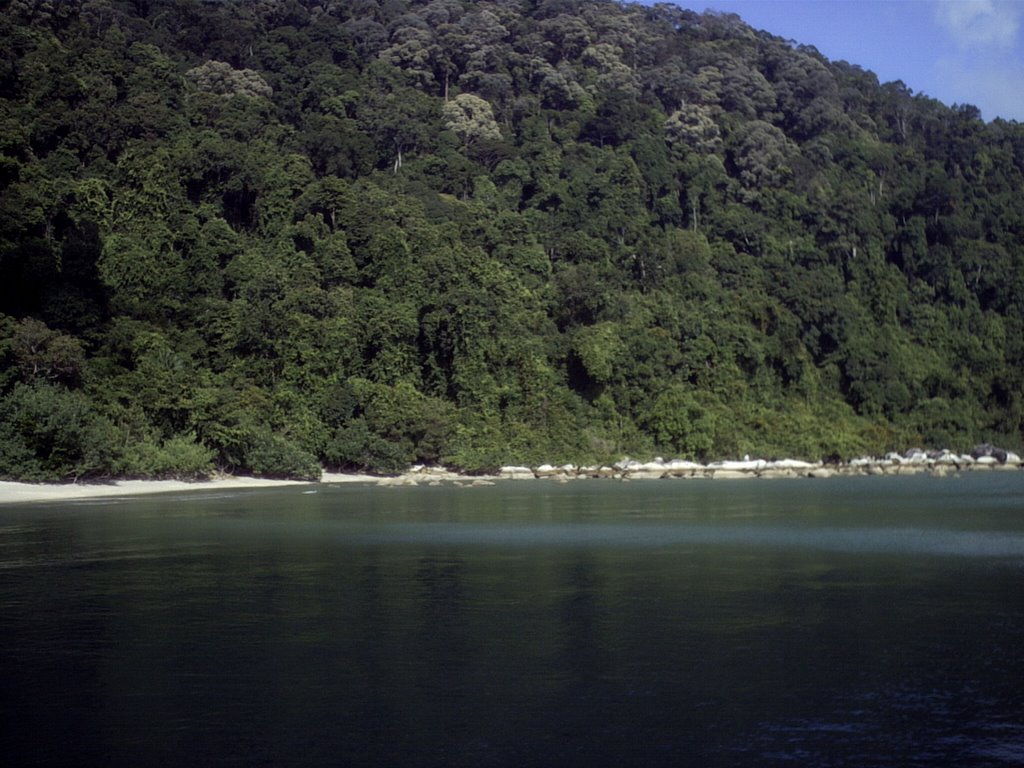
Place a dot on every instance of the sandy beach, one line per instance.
(17, 493)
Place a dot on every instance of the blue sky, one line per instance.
(956, 51)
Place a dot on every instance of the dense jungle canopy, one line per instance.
(277, 235)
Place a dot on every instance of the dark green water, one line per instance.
(860, 622)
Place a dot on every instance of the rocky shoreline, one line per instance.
(913, 462)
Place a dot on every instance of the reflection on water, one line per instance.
(705, 623)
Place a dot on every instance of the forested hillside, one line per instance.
(269, 236)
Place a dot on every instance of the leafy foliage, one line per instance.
(266, 237)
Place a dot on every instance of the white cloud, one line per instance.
(993, 87)
(980, 23)
(984, 62)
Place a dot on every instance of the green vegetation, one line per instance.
(268, 236)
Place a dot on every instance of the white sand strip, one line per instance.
(14, 493)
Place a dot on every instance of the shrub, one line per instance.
(269, 454)
(180, 457)
(353, 446)
(50, 433)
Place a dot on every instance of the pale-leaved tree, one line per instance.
(470, 118)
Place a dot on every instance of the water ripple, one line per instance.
(917, 541)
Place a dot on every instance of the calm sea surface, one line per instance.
(847, 622)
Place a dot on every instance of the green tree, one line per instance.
(678, 422)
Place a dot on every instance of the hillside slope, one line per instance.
(268, 236)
